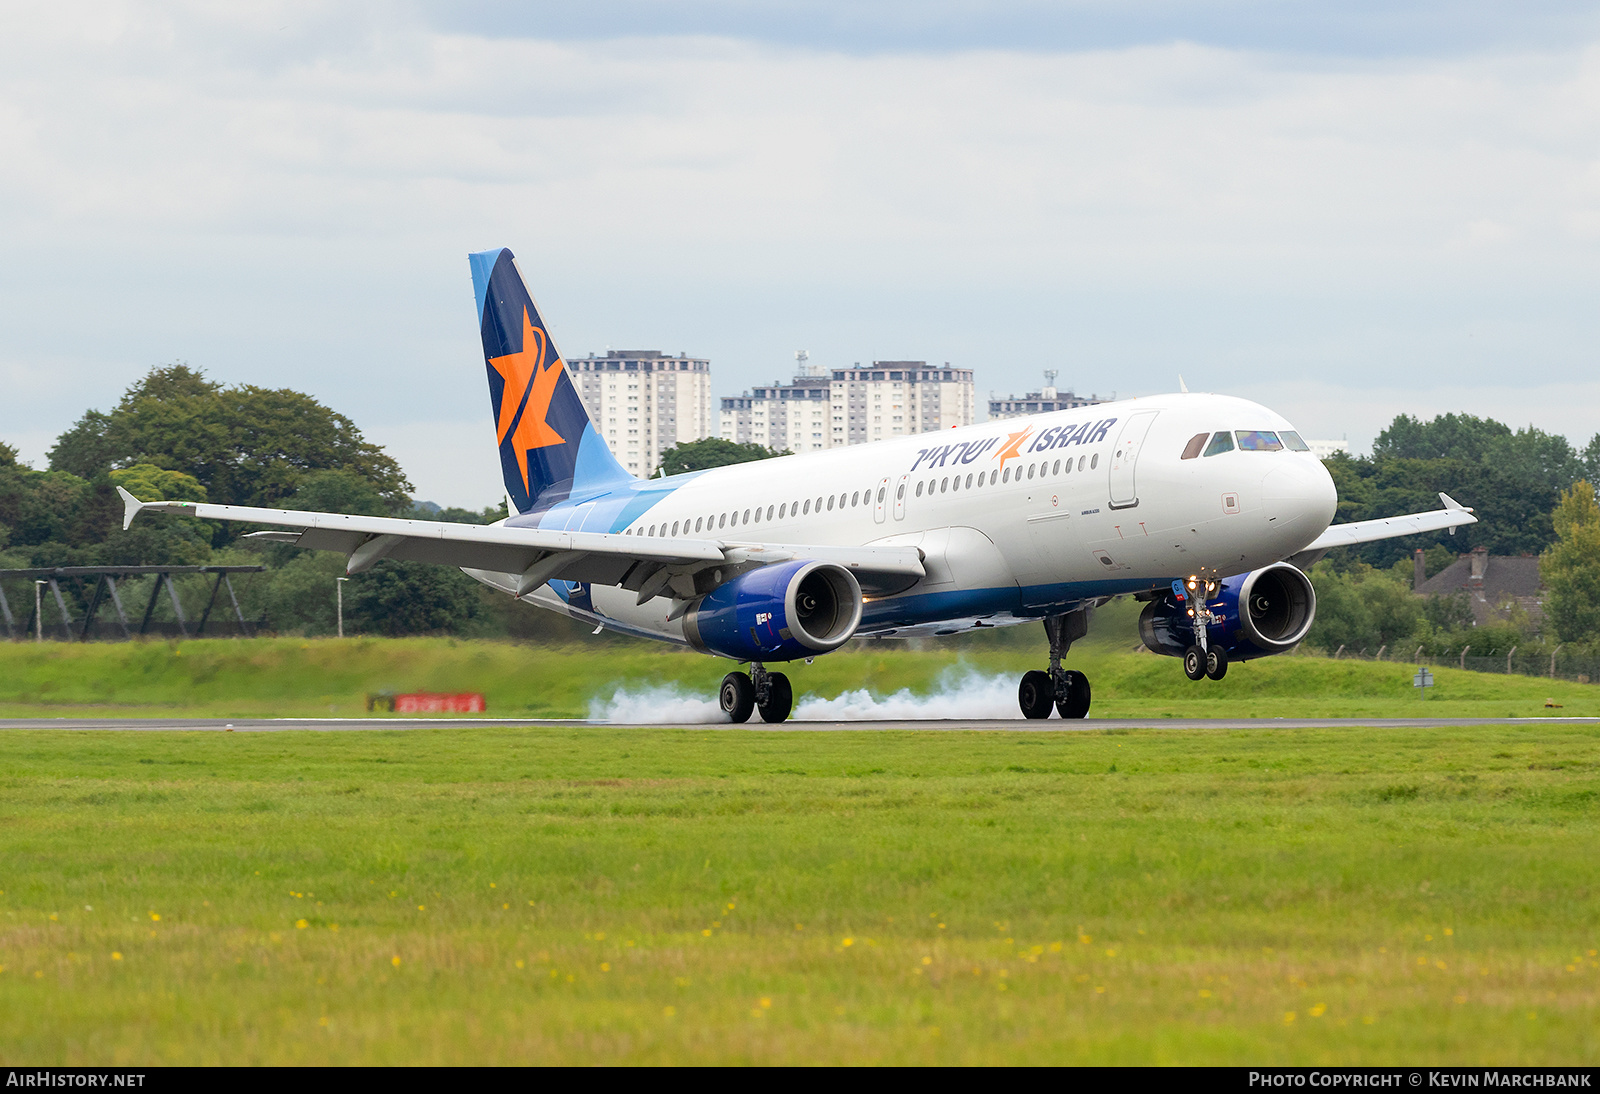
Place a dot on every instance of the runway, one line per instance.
(1001, 725)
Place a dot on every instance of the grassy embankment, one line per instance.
(607, 894)
(322, 677)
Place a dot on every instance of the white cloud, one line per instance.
(292, 206)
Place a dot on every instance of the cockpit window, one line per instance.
(1291, 441)
(1196, 443)
(1222, 442)
(1254, 440)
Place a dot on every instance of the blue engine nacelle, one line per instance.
(1257, 614)
(781, 612)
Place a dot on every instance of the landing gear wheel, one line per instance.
(1194, 663)
(780, 699)
(1075, 703)
(737, 696)
(1036, 695)
(1216, 663)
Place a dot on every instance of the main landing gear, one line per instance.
(1064, 689)
(767, 692)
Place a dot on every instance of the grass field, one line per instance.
(637, 895)
(322, 677)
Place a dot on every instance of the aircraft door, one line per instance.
(1125, 455)
(880, 505)
(900, 498)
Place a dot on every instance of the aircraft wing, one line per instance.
(648, 565)
(1453, 515)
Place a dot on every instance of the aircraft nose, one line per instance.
(1299, 494)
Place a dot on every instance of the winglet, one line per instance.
(1183, 387)
(130, 507)
(1452, 503)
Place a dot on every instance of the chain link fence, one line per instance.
(1555, 663)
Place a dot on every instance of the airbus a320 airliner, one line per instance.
(1206, 507)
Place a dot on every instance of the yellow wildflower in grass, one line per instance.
(116, 956)
(848, 942)
(1319, 1010)
(422, 907)
(1205, 993)
(519, 962)
(154, 918)
(766, 1001)
(706, 933)
(300, 924)
(605, 966)
(1085, 939)
(323, 1021)
(1288, 1017)
(926, 960)
(395, 961)
(668, 1012)
(505, 907)
(1448, 932)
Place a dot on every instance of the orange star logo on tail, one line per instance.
(530, 384)
(1013, 443)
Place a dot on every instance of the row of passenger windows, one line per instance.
(856, 498)
(1250, 440)
(716, 521)
(1059, 467)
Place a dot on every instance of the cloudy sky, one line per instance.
(1346, 211)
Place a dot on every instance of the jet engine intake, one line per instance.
(782, 612)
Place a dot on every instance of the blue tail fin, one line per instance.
(549, 449)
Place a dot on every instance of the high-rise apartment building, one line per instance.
(850, 406)
(644, 402)
(1043, 401)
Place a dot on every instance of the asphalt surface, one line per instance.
(256, 725)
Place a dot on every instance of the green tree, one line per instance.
(83, 450)
(339, 491)
(1512, 478)
(1571, 567)
(147, 482)
(246, 445)
(1362, 608)
(400, 598)
(712, 452)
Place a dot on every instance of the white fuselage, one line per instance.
(1016, 519)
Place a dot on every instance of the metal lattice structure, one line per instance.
(105, 588)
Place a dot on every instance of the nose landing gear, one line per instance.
(1065, 690)
(1203, 660)
(763, 691)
